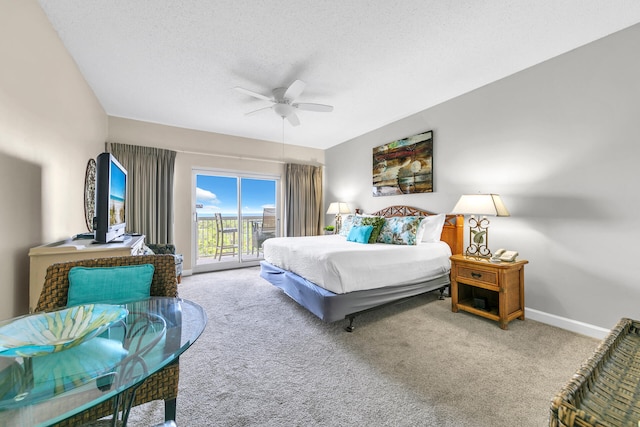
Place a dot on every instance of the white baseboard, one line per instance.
(568, 324)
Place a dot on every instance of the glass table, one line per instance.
(44, 389)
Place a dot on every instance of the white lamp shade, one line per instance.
(480, 204)
(338, 208)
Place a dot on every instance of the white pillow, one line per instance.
(430, 229)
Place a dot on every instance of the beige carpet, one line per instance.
(265, 361)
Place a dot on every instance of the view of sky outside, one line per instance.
(220, 194)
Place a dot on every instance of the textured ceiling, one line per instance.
(376, 61)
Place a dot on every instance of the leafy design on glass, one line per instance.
(55, 331)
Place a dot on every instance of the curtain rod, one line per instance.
(230, 156)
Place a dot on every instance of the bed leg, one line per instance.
(350, 327)
(441, 297)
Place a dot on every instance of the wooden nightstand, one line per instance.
(491, 290)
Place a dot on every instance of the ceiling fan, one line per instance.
(282, 101)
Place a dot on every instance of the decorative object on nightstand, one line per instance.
(479, 204)
(493, 290)
(338, 208)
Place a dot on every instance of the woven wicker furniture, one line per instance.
(162, 385)
(605, 391)
(168, 248)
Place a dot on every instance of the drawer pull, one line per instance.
(476, 275)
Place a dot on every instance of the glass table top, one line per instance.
(51, 386)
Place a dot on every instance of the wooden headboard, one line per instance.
(452, 232)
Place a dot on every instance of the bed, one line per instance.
(335, 279)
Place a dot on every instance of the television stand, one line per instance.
(41, 257)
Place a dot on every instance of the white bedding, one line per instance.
(339, 266)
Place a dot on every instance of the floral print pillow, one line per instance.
(400, 230)
(347, 223)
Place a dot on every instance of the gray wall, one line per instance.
(559, 142)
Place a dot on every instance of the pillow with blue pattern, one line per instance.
(347, 223)
(400, 230)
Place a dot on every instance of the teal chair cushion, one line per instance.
(114, 285)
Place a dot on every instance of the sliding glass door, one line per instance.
(234, 213)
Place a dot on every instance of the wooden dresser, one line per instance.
(41, 257)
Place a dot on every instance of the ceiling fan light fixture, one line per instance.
(283, 101)
(282, 109)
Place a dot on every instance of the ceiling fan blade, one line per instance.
(314, 107)
(258, 110)
(294, 90)
(293, 119)
(252, 93)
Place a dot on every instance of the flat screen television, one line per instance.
(109, 222)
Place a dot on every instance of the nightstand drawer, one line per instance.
(488, 277)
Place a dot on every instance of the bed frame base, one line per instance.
(352, 317)
(330, 307)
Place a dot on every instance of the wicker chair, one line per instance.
(163, 385)
(168, 248)
(605, 391)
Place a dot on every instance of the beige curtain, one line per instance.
(149, 190)
(303, 200)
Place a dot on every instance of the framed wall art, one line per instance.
(404, 166)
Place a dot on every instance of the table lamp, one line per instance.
(481, 205)
(338, 208)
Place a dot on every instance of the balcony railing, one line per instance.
(208, 234)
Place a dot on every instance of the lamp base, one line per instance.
(478, 238)
(338, 223)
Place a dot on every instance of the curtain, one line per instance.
(303, 200)
(149, 190)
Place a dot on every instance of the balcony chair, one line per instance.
(163, 385)
(220, 238)
(264, 230)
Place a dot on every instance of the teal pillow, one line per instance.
(377, 222)
(360, 234)
(115, 285)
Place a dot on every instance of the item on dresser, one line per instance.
(336, 279)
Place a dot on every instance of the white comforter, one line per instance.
(340, 266)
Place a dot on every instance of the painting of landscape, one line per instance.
(404, 166)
